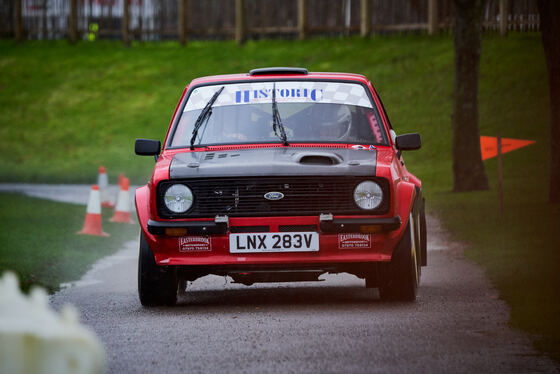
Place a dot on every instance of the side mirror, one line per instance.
(408, 142)
(147, 147)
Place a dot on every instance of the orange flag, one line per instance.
(489, 145)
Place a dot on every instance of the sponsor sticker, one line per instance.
(375, 127)
(364, 147)
(286, 92)
(194, 244)
(353, 241)
(358, 146)
(283, 94)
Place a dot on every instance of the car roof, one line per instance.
(280, 73)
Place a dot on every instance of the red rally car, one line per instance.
(280, 175)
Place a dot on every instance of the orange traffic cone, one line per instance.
(92, 223)
(103, 183)
(122, 211)
(121, 177)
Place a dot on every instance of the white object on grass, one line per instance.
(36, 339)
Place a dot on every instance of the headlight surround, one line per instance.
(368, 195)
(178, 198)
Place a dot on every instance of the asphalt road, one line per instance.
(66, 193)
(457, 325)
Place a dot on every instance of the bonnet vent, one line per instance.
(319, 159)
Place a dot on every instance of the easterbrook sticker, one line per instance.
(194, 244)
(346, 241)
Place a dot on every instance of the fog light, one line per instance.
(176, 232)
(370, 229)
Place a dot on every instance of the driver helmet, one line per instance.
(333, 121)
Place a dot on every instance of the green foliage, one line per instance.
(67, 109)
(40, 244)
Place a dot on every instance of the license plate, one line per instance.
(274, 242)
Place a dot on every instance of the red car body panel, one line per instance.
(404, 187)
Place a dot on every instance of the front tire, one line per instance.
(157, 285)
(402, 275)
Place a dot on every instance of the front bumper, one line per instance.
(378, 237)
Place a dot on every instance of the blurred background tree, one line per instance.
(468, 169)
(550, 31)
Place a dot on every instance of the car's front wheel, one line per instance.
(157, 285)
(402, 275)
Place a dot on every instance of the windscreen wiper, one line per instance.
(276, 120)
(204, 115)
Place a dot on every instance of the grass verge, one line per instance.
(67, 109)
(40, 244)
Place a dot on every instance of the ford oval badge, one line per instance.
(273, 195)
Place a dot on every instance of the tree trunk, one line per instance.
(550, 29)
(468, 169)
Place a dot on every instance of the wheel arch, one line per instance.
(142, 202)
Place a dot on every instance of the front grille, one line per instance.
(244, 197)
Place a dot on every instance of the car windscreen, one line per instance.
(308, 111)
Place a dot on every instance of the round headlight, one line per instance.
(178, 198)
(368, 195)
